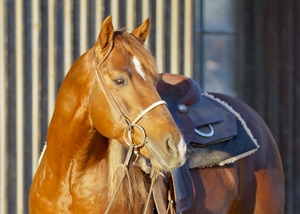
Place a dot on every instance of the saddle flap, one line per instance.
(205, 112)
(183, 187)
(213, 122)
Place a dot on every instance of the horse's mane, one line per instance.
(136, 48)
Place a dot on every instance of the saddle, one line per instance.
(215, 134)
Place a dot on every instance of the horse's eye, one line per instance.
(119, 82)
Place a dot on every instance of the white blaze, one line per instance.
(138, 67)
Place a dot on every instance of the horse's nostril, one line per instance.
(171, 148)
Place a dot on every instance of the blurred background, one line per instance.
(249, 49)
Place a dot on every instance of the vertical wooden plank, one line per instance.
(27, 91)
(296, 80)
(51, 58)
(240, 47)
(287, 99)
(175, 38)
(11, 109)
(36, 74)
(99, 16)
(197, 53)
(59, 43)
(83, 26)
(160, 35)
(258, 92)
(3, 110)
(272, 64)
(246, 28)
(145, 15)
(20, 105)
(130, 15)
(115, 12)
(76, 29)
(44, 72)
(91, 23)
(254, 25)
(188, 38)
(68, 33)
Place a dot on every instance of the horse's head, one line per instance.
(124, 102)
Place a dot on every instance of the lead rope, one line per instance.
(153, 175)
(126, 164)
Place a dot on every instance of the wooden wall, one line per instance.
(269, 77)
(39, 41)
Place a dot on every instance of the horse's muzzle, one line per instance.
(168, 156)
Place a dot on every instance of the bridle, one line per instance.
(125, 120)
(129, 126)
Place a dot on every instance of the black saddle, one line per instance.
(213, 131)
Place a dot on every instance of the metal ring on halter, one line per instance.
(209, 134)
(129, 135)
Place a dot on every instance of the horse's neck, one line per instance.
(72, 137)
(98, 175)
(83, 159)
(71, 133)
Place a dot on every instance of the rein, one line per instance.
(129, 126)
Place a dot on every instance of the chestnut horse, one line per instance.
(107, 103)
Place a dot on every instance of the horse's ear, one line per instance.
(106, 34)
(142, 31)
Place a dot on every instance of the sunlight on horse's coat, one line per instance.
(138, 67)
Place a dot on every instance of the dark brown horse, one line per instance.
(107, 102)
(254, 184)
